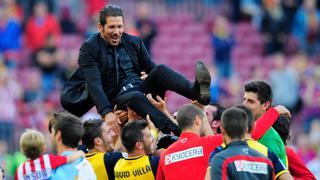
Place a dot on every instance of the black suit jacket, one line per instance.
(91, 61)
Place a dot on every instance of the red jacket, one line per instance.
(188, 157)
(37, 31)
(296, 166)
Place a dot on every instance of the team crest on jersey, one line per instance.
(183, 140)
(184, 155)
(252, 167)
(245, 150)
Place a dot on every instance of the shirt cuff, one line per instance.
(105, 111)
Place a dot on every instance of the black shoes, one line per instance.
(202, 84)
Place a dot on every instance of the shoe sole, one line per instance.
(204, 79)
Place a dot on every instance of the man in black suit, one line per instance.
(111, 62)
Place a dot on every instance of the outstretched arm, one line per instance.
(73, 157)
(267, 120)
(161, 104)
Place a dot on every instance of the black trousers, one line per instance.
(159, 80)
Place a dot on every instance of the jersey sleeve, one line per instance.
(214, 152)
(264, 123)
(216, 170)
(154, 162)
(160, 173)
(215, 140)
(110, 160)
(279, 167)
(57, 161)
(297, 167)
(16, 177)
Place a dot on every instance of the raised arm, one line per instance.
(73, 157)
(161, 104)
(267, 120)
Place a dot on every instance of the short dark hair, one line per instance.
(109, 11)
(262, 88)
(92, 130)
(187, 114)
(218, 113)
(282, 126)
(132, 133)
(70, 127)
(249, 115)
(234, 122)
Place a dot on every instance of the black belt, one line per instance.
(126, 87)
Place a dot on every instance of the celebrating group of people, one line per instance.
(139, 139)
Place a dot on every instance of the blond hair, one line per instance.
(32, 143)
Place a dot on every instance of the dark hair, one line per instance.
(218, 113)
(70, 127)
(132, 133)
(109, 11)
(92, 129)
(263, 90)
(187, 114)
(50, 125)
(234, 122)
(166, 140)
(249, 115)
(282, 126)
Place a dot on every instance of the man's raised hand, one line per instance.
(283, 111)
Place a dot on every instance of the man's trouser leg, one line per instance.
(136, 101)
(162, 78)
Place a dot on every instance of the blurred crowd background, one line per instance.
(274, 40)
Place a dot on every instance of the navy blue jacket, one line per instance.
(93, 61)
(239, 161)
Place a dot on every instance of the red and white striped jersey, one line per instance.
(40, 168)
